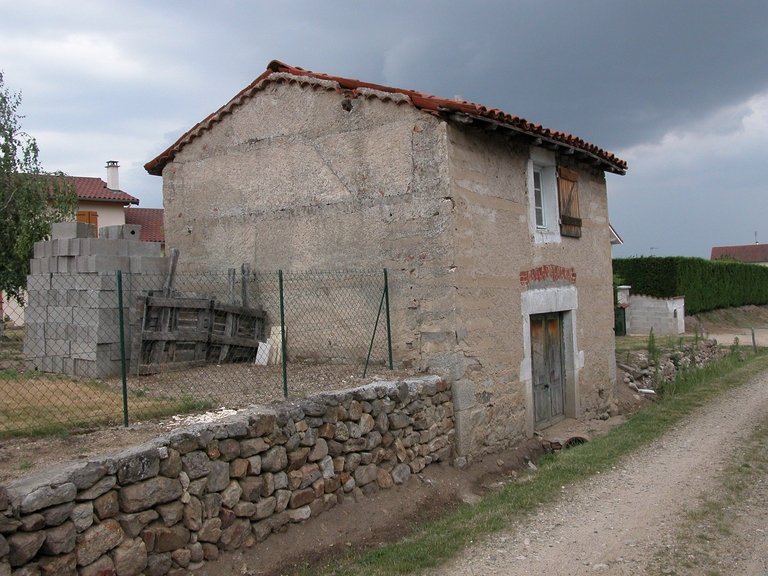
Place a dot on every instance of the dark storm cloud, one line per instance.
(618, 73)
(125, 79)
(615, 73)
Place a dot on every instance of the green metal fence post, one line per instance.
(122, 345)
(389, 329)
(282, 335)
(373, 336)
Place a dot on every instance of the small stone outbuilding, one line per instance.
(494, 231)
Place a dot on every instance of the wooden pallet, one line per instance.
(172, 333)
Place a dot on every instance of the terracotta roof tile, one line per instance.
(277, 72)
(746, 253)
(96, 189)
(151, 221)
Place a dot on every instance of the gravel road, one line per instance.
(617, 522)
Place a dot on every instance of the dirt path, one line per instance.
(744, 335)
(616, 523)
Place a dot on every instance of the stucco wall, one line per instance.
(292, 180)
(109, 213)
(494, 245)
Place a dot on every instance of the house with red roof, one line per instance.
(102, 203)
(494, 231)
(751, 253)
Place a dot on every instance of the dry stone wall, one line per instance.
(167, 506)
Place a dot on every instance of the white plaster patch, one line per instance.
(550, 299)
(394, 96)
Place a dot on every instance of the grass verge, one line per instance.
(433, 543)
(37, 404)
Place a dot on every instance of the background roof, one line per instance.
(96, 189)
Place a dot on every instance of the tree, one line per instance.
(31, 199)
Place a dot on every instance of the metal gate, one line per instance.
(620, 321)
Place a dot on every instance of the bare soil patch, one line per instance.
(728, 320)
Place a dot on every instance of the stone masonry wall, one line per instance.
(167, 506)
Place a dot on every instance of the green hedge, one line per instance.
(706, 284)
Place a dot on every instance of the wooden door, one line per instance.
(547, 366)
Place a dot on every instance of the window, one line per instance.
(538, 199)
(542, 184)
(554, 198)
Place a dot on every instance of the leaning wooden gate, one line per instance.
(177, 333)
(181, 333)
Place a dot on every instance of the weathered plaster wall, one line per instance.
(300, 178)
(493, 393)
(293, 180)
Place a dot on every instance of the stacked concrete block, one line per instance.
(167, 506)
(72, 314)
(662, 315)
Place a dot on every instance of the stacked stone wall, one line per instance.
(169, 505)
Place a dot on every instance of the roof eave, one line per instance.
(457, 111)
(538, 140)
(110, 201)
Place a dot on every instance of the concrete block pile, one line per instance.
(72, 313)
(167, 506)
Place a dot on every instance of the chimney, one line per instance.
(113, 182)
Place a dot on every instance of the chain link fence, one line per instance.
(189, 342)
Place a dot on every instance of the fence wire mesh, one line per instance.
(206, 340)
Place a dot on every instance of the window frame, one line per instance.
(544, 214)
(540, 213)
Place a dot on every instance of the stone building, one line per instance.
(494, 231)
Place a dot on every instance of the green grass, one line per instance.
(667, 343)
(38, 404)
(435, 542)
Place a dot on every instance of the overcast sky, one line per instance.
(677, 89)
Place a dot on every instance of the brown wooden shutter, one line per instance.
(88, 217)
(568, 194)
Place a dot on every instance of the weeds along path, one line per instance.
(618, 523)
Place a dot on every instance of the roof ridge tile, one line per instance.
(283, 73)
